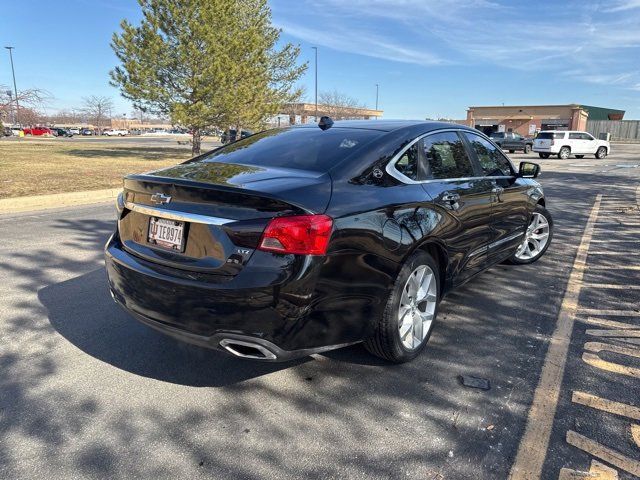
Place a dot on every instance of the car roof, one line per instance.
(386, 125)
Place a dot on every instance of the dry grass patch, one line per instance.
(38, 167)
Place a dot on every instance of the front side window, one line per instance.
(445, 156)
(492, 161)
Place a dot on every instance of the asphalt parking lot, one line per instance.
(87, 392)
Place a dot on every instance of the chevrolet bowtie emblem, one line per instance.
(160, 198)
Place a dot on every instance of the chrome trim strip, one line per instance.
(505, 240)
(174, 215)
(486, 248)
(391, 170)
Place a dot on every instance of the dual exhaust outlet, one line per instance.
(245, 349)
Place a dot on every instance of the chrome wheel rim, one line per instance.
(536, 238)
(564, 153)
(417, 307)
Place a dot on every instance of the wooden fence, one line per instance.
(619, 129)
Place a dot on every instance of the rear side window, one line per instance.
(550, 135)
(407, 164)
(299, 148)
(492, 161)
(445, 156)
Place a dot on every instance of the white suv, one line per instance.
(566, 143)
(116, 132)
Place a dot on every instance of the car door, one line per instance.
(577, 143)
(461, 197)
(590, 143)
(510, 202)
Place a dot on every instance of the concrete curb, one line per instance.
(57, 200)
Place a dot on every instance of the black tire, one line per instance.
(579, 156)
(385, 342)
(601, 153)
(544, 155)
(564, 153)
(527, 148)
(513, 260)
(512, 151)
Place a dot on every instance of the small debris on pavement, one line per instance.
(475, 382)
(490, 427)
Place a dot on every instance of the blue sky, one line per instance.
(431, 57)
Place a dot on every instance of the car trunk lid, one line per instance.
(209, 216)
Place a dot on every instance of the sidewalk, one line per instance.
(57, 200)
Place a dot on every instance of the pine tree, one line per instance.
(206, 63)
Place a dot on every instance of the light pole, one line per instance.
(377, 90)
(316, 114)
(15, 89)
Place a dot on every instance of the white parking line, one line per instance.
(534, 444)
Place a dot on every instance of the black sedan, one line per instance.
(305, 239)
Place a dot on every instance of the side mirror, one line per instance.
(528, 170)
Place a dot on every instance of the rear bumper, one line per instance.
(275, 308)
(546, 150)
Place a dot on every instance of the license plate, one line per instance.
(166, 233)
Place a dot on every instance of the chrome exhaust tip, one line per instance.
(243, 349)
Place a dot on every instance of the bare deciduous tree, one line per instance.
(97, 109)
(338, 105)
(30, 103)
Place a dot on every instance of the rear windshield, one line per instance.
(550, 135)
(300, 148)
(497, 135)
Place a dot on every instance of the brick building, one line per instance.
(527, 119)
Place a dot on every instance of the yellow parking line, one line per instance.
(614, 267)
(609, 455)
(614, 333)
(628, 311)
(621, 253)
(605, 405)
(603, 322)
(616, 240)
(592, 358)
(597, 471)
(532, 450)
(611, 286)
(635, 434)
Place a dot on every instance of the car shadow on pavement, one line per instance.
(83, 312)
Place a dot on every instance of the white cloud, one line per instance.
(622, 5)
(580, 36)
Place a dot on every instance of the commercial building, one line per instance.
(528, 119)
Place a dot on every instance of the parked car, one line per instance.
(567, 143)
(37, 131)
(86, 132)
(304, 239)
(231, 135)
(116, 132)
(75, 131)
(6, 132)
(61, 132)
(512, 141)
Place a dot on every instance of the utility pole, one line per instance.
(316, 114)
(377, 90)
(15, 89)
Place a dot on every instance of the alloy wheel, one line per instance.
(536, 238)
(417, 307)
(564, 153)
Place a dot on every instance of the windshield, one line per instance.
(301, 148)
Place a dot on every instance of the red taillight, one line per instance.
(300, 235)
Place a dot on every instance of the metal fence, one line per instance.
(628, 130)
